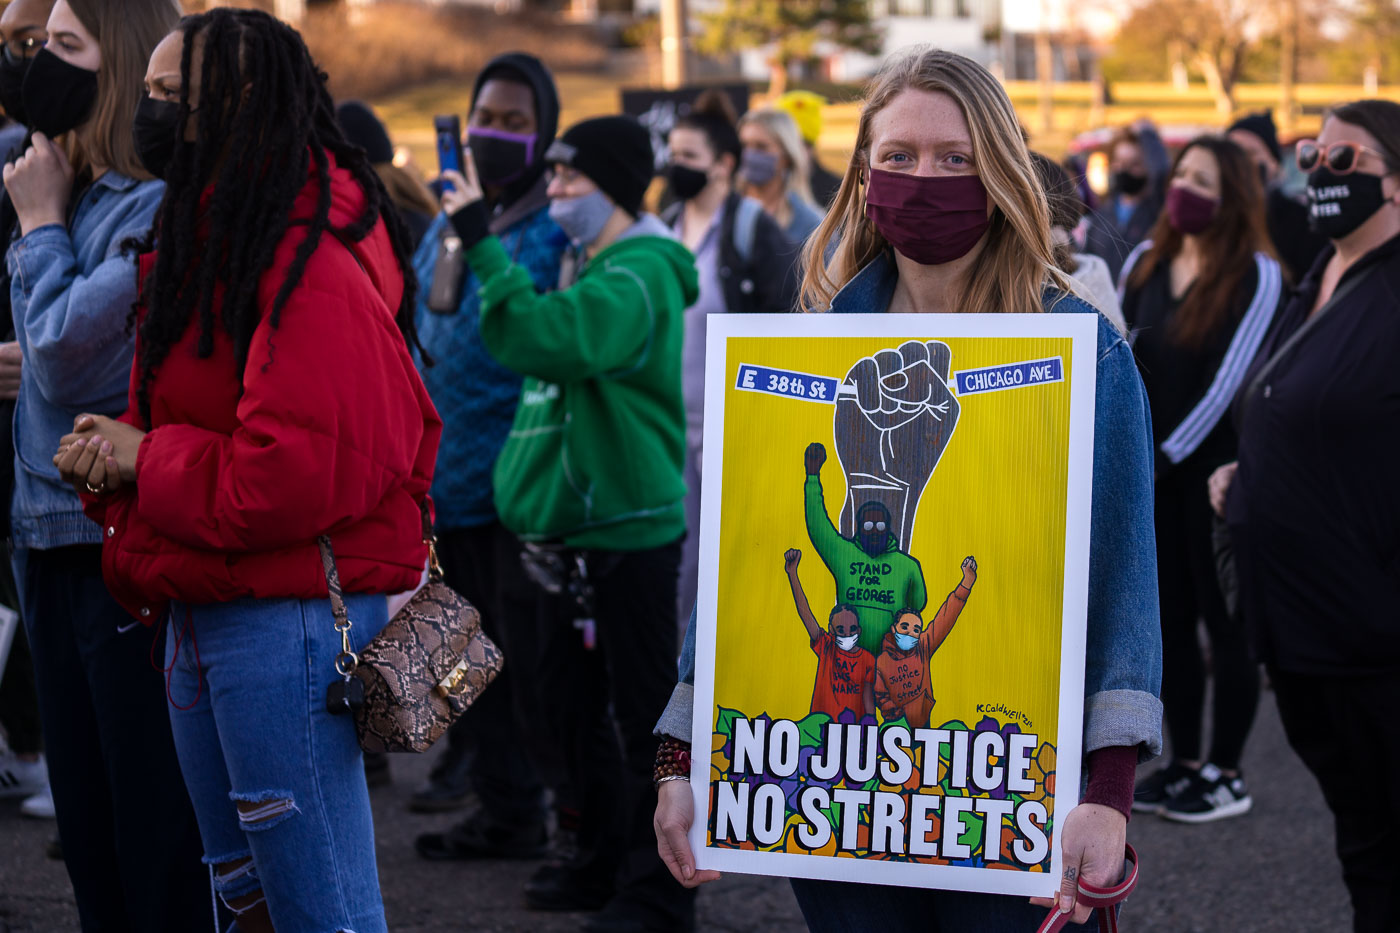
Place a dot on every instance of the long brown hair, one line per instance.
(1238, 231)
(1017, 259)
(126, 33)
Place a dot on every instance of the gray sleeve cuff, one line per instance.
(676, 720)
(1122, 717)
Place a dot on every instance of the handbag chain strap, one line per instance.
(347, 660)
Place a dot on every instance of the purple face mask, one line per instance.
(1188, 211)
(501, 157)
(931, 219)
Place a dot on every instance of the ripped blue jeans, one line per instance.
(271, 774)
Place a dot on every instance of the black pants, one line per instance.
(129, 836)
(1189, 591)
(603, 703)
(1338, 726)
(19, 706)
(500, 729)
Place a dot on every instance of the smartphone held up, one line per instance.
(448, 130)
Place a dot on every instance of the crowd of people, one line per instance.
(203, 383)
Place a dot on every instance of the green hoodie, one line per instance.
(875, 587)
(596, 452)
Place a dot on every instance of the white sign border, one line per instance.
(1082, 330)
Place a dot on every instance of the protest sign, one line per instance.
(893, 590)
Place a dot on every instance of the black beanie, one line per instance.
(614, 153)
(1261, 124)
(362, 128)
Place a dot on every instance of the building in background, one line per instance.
(1000, 34)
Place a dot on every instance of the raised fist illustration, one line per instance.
(791, 558)
(814, 458)
(969, 572)
(894, 416)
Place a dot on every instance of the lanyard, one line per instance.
(1103, 899)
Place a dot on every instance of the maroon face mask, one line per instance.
(931, 219)
(1188, 211)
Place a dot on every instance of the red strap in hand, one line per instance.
(1104, 899)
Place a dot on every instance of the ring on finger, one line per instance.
(96, 490)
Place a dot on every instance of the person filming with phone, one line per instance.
(513, 119)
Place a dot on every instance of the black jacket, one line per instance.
(1189, 388)
(1314, 510)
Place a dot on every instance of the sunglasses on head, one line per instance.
(874, 526)
(1339, 157)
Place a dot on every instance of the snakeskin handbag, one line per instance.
(430, 663)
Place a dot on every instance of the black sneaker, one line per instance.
(1210, 796)
(1157, 789)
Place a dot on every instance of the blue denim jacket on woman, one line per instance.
(71, 291)
(1123, 667)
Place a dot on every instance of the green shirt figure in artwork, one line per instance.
(873, 576)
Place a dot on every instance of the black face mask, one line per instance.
(154, 133)
(1338, 204)
(1129, 183)
(501, 157)
(686, 182)
(12, 72)
(58, 97)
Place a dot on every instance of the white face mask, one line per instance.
(846, 642)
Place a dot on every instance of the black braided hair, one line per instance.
(264, 119)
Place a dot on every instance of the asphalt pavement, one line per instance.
(1271, 871)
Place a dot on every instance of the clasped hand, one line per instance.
(99, 457)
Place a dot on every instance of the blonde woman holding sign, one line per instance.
(939, 211)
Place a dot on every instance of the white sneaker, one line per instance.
(21, 778)
(40, 806)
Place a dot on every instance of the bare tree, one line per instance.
(792, 29)
(1212, 36)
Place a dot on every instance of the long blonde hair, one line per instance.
(1017, 259)
(783, 128)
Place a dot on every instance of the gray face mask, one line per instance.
(758, 168)
(582, 218)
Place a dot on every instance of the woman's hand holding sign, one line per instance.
(675, 812)
(1093, 840)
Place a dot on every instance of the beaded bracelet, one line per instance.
(672, 761)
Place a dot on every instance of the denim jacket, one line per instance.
(71, 291)
(1123, 667)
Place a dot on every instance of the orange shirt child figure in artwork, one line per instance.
(845, 671)
(903, 685)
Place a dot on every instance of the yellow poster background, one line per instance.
(998, 494)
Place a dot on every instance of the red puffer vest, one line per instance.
(332, 432)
